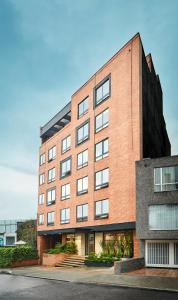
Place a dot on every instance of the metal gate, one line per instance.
(161, 254)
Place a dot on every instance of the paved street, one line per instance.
(19, 287)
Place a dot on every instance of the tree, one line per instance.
(27, 232)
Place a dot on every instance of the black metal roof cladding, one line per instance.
(62, 118)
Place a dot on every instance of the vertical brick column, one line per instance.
(41, 245)
(136, 245)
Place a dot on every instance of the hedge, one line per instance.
(13, 254)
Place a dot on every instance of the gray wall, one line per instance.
(146, 196)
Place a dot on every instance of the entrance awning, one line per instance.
(99, 228)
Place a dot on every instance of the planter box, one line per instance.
(51, 260)
(98, 264)
(128, 265)
(25, 263)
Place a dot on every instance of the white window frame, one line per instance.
(171, 263)
(103, 184)
(41, 199)
(51, 175)
(100, 86)
(41, 178)
(82, 103)
(50, 213)
(42, 159)
(82, 181)
(103, 154)
(84, 163)
(51, 193)
(102, 215)
(64, 189)
(52, 153)
(66, 220)
(84, 138)
(161, 184)
(104, 125)
(66, 144)
(68, 171)
(41, 219)
(82, 218)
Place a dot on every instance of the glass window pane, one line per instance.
(98, 150)
(106, 88)
(85, 183)
(168, 175)
(105, 116)
(98, 207)
(105, 206)
(98, 178)
(79, 211)
(85, 105)
(85, 210)
(106, 146)
(105, 175)
(79, 162)
(85, 156)
(99, 94)
(86, 130)
(79, 185)
(98, 121)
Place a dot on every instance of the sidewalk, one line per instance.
(98, 276)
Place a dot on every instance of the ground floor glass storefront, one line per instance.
(89, 242)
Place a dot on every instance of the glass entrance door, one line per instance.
(89, 243)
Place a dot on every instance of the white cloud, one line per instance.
(18, 194)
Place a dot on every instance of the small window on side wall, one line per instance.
(82, 133)
(102, 91)
(66, 144)
(83, 107)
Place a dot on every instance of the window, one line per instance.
(82, 159)
(51, 196)
(102, 91)
(163, 217)
(66, 144)
(83, 107)
(42, 179)
(51, 174)
(50, 218)
(166, 179)
(52, 153)
(102, 209)
(82, 212)
(101, 149)
(66, 167)
(102, 120)
(82, 185)
(41, 199)
(102, 179)
(65, 215)
(42, 159)
(65, 191)
(41, 219)
(83, 133)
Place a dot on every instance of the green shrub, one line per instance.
(101, 258)
(13, 254)
(70, 247)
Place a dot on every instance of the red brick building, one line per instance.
(87, 156)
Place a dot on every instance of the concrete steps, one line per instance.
(72, 261)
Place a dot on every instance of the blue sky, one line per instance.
(48, 49)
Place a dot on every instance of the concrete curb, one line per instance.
(9, 272)
(100, 283)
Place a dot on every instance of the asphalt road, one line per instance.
(18, 287)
